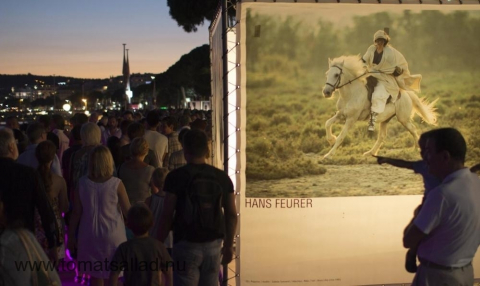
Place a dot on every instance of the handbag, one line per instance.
(40, 277)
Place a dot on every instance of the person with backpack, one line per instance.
(200, 205)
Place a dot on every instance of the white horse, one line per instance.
(347, 75)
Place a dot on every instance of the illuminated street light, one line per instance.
(67, 107)
(85, 101)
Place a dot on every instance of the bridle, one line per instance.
(339, 78)
(336, 85)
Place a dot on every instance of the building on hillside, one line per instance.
(34, 92)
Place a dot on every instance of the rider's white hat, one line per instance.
(380, 34)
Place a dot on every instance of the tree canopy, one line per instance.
(190, 14)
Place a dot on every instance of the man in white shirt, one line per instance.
(447, 228)
(36, 134)
(156, 141)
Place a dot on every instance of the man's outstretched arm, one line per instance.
(395, 162)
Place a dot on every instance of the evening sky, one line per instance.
(84, 38)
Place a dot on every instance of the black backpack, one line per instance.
(203, 214)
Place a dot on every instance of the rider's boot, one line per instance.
(371, 123)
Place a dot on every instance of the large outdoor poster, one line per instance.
(313, 215)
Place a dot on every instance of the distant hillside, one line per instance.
(18, 80)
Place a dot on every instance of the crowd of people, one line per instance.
(111, 189)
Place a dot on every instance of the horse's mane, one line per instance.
(353, 64)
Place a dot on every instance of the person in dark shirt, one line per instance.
(22, 192)
(143, 257)
(202, 250)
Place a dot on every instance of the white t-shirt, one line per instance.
(450, 217)
(158, 143)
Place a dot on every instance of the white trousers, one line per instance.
(379, 98)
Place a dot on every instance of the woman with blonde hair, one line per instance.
(102, 201)
(56, 189)
(135, 173)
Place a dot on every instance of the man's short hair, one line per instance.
(59, 121)
(450, 140)
(45, 120)
(181, 135)
(93, 117)
(199, 124)
(81, 118)
(195, 143)
(76, 133)
(152, 118)
(124, 126)
(135, 130)
(184, 120)
(6, 138)
(139, 219)
(10, 119)
(170, 121)
(128, 112)
(34, 131)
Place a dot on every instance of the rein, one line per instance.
(336, 86)
(352, 80)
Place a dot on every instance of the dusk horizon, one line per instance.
(85, 40)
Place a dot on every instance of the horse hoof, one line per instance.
(369, 153)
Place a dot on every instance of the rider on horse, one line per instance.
(389, 66)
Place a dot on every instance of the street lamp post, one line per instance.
(154, 97)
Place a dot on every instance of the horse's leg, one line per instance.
(348, 124)
(382, 134)
(328, 127)
(411, 128)
(404, 108)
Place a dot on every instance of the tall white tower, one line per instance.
(126, 77)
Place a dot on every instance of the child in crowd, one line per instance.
(155, 203)
(142, 259)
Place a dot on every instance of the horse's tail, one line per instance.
(423, 108)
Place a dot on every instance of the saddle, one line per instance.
(371, 83)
